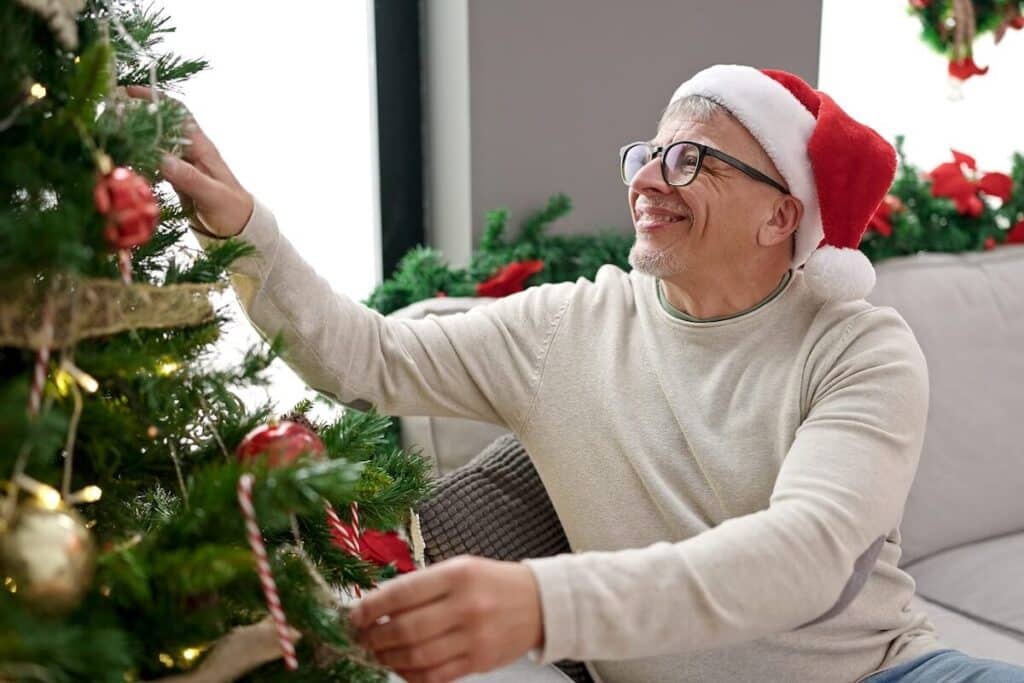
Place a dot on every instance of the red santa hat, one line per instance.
(839, 168)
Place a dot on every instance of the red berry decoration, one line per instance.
(279, 443)
(127, 200)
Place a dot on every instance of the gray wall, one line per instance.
(541, 94)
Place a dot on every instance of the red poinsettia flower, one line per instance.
(963, 69)
(951, 180)
(510, 279)
(1016, 234)
(881, 222)
(380, 548)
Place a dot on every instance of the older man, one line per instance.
(728, 432)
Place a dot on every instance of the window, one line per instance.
(288, 101)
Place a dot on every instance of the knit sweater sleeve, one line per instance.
(842, 486)
(483, 364)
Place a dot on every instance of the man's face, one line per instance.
(712, 224)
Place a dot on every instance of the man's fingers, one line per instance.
(190, 181)
(411, 627)
(427, 655)
(401, 594)
(205, 154)
(449, 671)
(200, 150)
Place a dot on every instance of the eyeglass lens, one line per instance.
(680, 163)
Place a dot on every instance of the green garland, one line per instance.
(922, 222)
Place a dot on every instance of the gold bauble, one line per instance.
(50, 555)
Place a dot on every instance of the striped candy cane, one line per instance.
(124, 262)
(347, 536)
(42, 361)
(255, 538)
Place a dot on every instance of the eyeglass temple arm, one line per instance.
(749, 170)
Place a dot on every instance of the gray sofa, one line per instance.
(963, 526)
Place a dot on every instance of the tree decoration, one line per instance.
(950, 27)
(128, 203)
(48, 555)
(279, 444)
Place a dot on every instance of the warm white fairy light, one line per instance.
(38, 91)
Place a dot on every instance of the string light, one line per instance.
(49, 497)
(90, 494)
(168, 367)
(38, 91)
(10, 584)
(190, 653)
(166, 660)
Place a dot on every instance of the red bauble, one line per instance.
(127, 200)
(279, 444)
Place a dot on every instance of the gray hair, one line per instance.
(693, 107)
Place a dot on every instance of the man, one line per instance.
(728, 433)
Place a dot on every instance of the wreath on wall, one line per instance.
(950, 27)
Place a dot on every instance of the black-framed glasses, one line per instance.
(681, 162)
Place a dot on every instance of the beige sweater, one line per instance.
(719, 482)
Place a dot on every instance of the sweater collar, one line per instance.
(680, 315)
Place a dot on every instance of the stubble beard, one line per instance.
(650, 260)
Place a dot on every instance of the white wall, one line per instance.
(875, 66)
(288, 102)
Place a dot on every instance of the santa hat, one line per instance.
(840, 169)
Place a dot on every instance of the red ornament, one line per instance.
(380, 548)
(510, 279)
(990, 243)
(950, 180)
(127, 200)
(279, 444)
(963, 69)
(920, 4)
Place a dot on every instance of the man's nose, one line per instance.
(649, 179)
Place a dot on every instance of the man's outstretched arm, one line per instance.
(484, 364)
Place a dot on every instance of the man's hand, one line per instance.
(204, 180)
(460, 616)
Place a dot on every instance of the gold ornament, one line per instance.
(50, 556)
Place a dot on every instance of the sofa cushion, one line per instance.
(967, 312)
(984, 581)
(970, 636)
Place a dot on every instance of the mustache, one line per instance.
(644, 203)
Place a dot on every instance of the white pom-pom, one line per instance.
(839, 274)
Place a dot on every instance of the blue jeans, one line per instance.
(950, 666)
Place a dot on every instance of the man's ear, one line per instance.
(784, 219)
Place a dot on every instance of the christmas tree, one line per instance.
(151, 526)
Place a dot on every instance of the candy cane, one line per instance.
(124, 261)
(42, 361)
(347, 536)
(255, 539)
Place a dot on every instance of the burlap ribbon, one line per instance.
(84, 308)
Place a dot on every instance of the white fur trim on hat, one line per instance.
(780, 123)
(839, 274)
